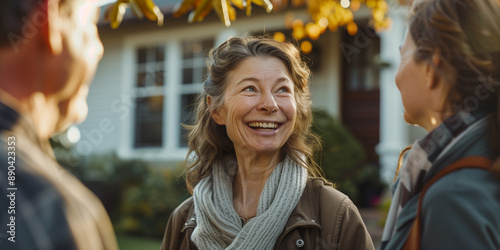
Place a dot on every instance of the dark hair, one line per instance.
(465, 34)
(208, 141)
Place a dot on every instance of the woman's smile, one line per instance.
(264, 126)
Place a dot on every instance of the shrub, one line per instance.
(145, 208)
(343, 159)
(138, 196)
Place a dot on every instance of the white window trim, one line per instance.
(172, 94)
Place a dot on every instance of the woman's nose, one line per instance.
(267, 103)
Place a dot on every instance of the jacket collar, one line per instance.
(19, 125)
(9, 117)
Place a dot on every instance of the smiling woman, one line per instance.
(250, 167)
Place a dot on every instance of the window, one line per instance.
(194, 71)
(361, 71)
(148, 127)
(167, 79)
(194, 60)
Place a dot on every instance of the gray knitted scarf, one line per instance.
(218, 224)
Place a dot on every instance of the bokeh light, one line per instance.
(345, 3)
(278, 36)
(306, 47)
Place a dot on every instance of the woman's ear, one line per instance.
(431, 72)
(437, 85)
(216, 115)
(51, 31)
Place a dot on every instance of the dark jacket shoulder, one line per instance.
(180, 226)
(473, 194)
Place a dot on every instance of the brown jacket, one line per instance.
(324, 218)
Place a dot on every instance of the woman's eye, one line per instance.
(283, 90)
(252, 89)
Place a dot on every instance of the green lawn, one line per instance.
(126, 242)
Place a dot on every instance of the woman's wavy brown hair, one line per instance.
(208, 141)
(465, 34)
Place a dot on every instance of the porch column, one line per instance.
(393, 129)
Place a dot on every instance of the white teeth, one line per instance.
(266, 125)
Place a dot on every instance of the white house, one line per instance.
(149, 75)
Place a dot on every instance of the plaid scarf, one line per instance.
(420, 159)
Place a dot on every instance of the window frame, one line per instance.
(172, 92)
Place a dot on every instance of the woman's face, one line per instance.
(410, 80)
(259, 107)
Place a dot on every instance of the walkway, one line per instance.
(372, 217)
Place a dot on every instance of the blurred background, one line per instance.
(131, 148)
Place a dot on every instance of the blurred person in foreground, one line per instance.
(49, 50)
(447, 195)
(250, 162)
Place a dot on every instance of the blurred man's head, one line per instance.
(49, 49)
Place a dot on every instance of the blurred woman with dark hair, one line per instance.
(447, 195)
